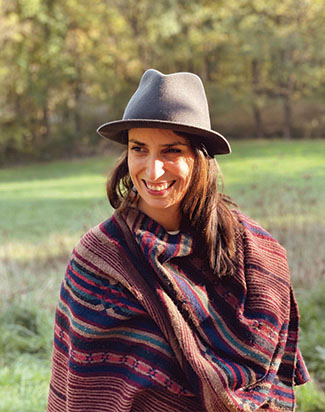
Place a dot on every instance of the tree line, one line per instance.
(66, 66)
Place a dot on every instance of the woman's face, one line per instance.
(160, 165)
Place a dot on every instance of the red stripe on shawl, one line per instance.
(93, 266)
(249, 223)
(193, 291)
(95, 245)
(149, 245)
(144, 367)
(106, 258)
(103, 230)
(66, 340)
(86, 280)
(261, 348)
(87, 320)
(234, 374)
(79, 287)
(201, 364)
(90, 264)
(114, 293)
(235, 348)
(75, 316)
(178, 245)
(274, 252)
(152, 242)
(207, 313)
(280, 389)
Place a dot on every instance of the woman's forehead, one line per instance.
(156, 136)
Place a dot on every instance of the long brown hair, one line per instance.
(205, 210)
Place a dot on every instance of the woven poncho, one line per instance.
(140, 327)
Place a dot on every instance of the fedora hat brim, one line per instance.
(117, 130)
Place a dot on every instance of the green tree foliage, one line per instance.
(285, 51)
(66, 66)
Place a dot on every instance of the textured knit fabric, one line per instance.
(140, 326)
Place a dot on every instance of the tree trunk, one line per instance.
(76, 115)
(256, 78)
(259, 131)
(77, 100)
(45, 131)
(287, 112)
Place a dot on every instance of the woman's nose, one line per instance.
(155, 168)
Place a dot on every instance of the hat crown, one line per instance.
(177, 97)
(174, 101)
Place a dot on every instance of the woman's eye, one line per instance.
(173, 150)
(136, 148)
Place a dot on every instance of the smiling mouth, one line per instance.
(158, 187)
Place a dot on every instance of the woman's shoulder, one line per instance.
(263, 258)
(256, 232)
(103, 234)
(251, 225)
(100, 246)
(102, 252)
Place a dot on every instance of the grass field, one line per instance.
(45, 208)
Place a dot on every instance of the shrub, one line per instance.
(312, 331)
(310, 398)
(25, 329)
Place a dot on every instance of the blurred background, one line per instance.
(67, 66)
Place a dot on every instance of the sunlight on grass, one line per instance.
(62, 185)
(45, 209)
(310, 398)
(24, 385)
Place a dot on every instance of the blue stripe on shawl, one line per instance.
(102, 366)
(230, 368)
(199, 312)
(235, 343)
(120, 332)
(98, 317)
(120, 369)
(109, 289)
(257, 230)
(266, 272)
(287, 395)
(263, 316)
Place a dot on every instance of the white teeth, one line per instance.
(157, 187)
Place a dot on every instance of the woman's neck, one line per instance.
(168, 218)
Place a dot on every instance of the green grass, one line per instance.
(25, 353)
(45, 208)
(281, 185)
(310, 398)
(24, 385)
(285, 177)
(50, 198)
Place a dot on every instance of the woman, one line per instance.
(175, 303)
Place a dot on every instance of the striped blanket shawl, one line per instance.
(140, 327)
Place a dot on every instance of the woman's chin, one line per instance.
(160, 205)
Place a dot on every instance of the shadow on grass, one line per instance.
(57, 170)
(36, 220)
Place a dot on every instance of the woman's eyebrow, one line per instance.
(164, 145)
(175, 144)
(137, 142)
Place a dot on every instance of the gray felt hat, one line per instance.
(174, 101)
